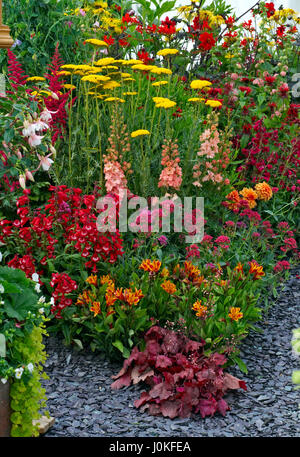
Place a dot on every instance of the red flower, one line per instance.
(207, 41)
(144, 56)
(271, 9)
(109, 40)
(167, 27)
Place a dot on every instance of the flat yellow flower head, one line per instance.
(167, 52)
(213, 103)
(196, 99)
(105, 61)
(159, 83)
(114, 99)
(35, 78)
(139, 133)
(200, 84)
(95, 42)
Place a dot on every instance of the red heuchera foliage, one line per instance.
(57, 107)
(182, 379)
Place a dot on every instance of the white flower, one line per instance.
(37, 288)
(35, 277)
(35, 140)
(19, 372)
(1, 289)
(40, 125)
(52, 302)
(28, 129)
(3, 380)
(30, 367)
(1, 257)
(41, 310)
(42, 299)
(45, 115)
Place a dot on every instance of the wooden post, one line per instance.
(5, 39)
(5, 411)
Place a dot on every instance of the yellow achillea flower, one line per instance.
(105, 61)
(160, 83)
(161, 71)
(152, 266)
(96, 42)
(95, 78)
(139, 133)
(111, 85)
(200, 84)
(64, 73)
(235, 314)
(264, 191)
(200, 309)
(128, 79)
(129, 93)
(132, 62)
(126, 75)
(250, 195)
(161, 102)
(114, 99)
(167, 52)
(68, 66)
(92, 279)
(95, 308)
(142, 67)
(35, 78)
(169, 287)
(69, 86)
(213, 103)
(196, 99)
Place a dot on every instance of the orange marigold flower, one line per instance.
(264, 191)
(200, 309)
(235, 314)
(95, 308)
(92, 280)
(150, 265)
(169, 287)
(256, 270)
(234, 200)
(250, 195)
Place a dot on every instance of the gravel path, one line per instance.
(80, 398)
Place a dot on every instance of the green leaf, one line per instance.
(119, 345)
(78, 343)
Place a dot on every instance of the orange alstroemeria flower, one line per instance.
(95, 308)
(200, 309)
(235, 314)
(256, 270)
(169, 287)
(152, 266)
(92, 280)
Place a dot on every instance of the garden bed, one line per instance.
(80, 398)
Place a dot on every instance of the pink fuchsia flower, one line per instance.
(35, 140)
